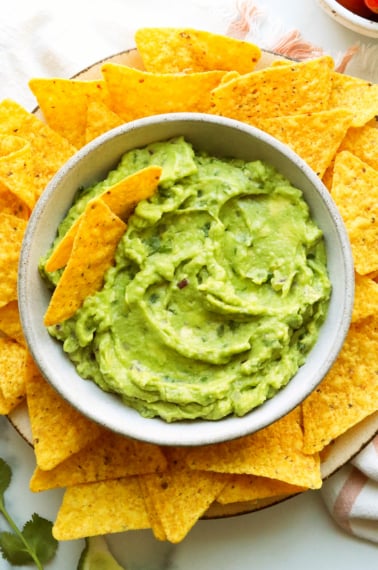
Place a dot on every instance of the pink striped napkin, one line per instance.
(351, 494)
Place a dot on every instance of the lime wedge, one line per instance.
(97, 556)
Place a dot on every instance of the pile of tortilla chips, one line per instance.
(113, 483)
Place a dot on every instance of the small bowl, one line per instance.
(221, 137)
(349, 19)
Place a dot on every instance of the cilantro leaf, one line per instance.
(38, 534)
(34, 543)
(5, 477)
(13, 549)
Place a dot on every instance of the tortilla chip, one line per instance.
(50, 151)
(262, 454)
(171, 50)
(100, 119)
(17, 168)
(314, 136)
(12, 231)
(365, 297)
(363, 143)
(276, 91)
(10, 204)
(106, 507)
(92, 254)
(154, 93)
(58, 429)
(153, 515)
(355, 191)
(64, 103)
(357, 95)
(12, 374)
(251, 488)
(10, 323)
(180, 496)
(121, 198)
(110, 456)
(349, 392)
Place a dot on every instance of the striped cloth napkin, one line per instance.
(351, 494)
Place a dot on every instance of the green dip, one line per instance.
(217, 294)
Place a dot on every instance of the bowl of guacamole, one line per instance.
(229, 294)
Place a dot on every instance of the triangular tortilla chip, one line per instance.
(58, 429)
(12, 231)
(365, 297)
(100, 119)
(154, 93)
(92, 254)
(180, 496)
(121, 198)
(355, 191)
(314, 136)
(50, 150)
(171, 50)
(262, 454)
(110, 456)
(357, 95)
(17, 168)
(64, 103)
(276, 91)
(12, 374)
(106, 507)
(349, 392)
(251, 488)
(10, 323)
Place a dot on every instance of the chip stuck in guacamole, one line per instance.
(217, 291)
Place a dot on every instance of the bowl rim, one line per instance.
(349, 19)
(197, 432)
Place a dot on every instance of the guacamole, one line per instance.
(217, 293)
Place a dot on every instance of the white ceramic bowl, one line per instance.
(219, 136)
(349, 19)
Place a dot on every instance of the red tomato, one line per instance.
(359, 7)
(372, 5)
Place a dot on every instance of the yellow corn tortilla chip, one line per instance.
(12, 374)
(263, 454)
(92, 254)
(357, 95)
(171, 50)
(349, 392)
(64, 103)
(153, 515)
(100, 119)
(314, 136)
(106, 507)
(110, 456)
(50, 150)
(58, 429)
(17, 168)
(251, 488)
(121, 198)
(180, 496)
(12, 231)
(363, 143)
(10, 204)
(10, 323)
(135, 93)
(365, 297)
(276, 91)
(355, 191)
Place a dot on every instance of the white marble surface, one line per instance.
(44, 38)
